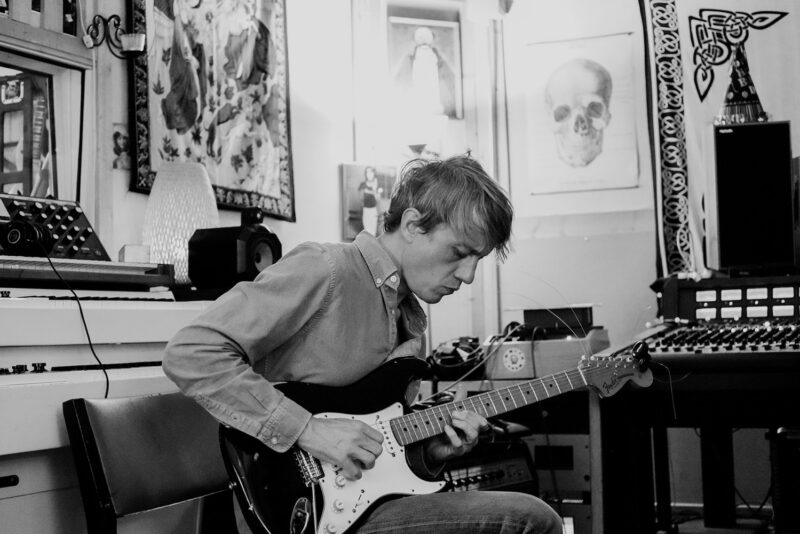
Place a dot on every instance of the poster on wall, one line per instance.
(213, 89)
(579, 106)
(366, 191)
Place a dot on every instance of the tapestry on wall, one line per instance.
(213, 89)
(697, 55)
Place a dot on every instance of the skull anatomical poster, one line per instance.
(579, 106)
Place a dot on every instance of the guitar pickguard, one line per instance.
(346, 500)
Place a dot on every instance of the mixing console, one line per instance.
(745, 343)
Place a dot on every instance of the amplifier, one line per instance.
(493, 465)
(542, 357)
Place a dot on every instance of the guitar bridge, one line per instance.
(309, 467)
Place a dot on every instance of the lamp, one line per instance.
(120, 43)
(181, 201)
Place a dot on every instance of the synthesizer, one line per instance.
(30, 271)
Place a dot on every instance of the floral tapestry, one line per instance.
(213, 89)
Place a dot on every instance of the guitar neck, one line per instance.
(416, 426)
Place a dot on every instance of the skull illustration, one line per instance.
(577, 96)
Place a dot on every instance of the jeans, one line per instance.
(498, 512)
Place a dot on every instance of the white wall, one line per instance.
(583, 246)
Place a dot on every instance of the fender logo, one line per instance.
(613, 383)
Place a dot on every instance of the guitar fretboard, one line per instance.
(417, 426)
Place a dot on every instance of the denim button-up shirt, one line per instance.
(325, 313)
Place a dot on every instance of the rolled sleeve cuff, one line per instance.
(284, 425)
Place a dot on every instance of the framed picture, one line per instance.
(579, 113)
(213, 89)
(120, 145)
(425, 65)
(366, 191)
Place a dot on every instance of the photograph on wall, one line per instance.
(120, 145)
(580, 115)
(366, 191)
(213, 89)
(425, 65)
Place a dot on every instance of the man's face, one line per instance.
(436, 263)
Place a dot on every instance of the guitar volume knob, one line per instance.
(330, 528)
(339, 481)
(338, 505)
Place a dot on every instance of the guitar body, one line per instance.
(275, 483)
(294, 493)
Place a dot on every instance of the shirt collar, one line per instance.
(380, 264)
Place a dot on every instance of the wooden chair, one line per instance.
(138, 454)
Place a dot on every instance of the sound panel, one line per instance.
(751, 201)
(32, 226)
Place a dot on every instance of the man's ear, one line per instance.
(409, 224)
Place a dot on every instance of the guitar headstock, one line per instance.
(607, 374)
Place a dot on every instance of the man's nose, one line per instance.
(466, 269)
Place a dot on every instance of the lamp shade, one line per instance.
(181, 201)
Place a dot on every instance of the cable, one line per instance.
(494, 346)
(83, 317)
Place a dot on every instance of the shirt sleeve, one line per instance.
(212, 358)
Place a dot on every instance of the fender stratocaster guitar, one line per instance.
(280, 489)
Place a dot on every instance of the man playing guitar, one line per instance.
(330, 314)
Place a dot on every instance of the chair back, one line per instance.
(142, 453)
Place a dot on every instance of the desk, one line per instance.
(633, 425)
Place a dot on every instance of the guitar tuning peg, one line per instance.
(641, 353)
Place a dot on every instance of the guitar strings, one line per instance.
(590, 372)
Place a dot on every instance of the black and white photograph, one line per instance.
(366, 190)
(425, 65)
(399, 267)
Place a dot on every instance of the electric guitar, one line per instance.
(294, 493)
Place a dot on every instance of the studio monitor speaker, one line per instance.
(751, 201)
(221, 257)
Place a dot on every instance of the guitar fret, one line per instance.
(583, 377)
(416, 426)
(416, 423)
